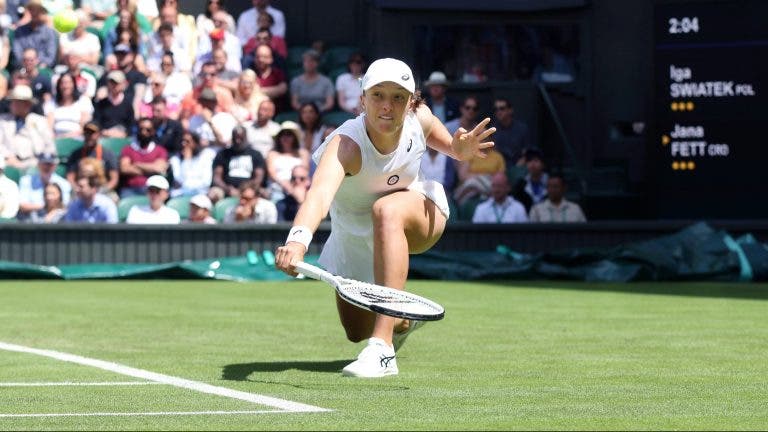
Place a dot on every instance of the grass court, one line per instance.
(181, 355)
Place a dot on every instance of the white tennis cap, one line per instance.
(201, 201)
(389, 69)
(157, 181)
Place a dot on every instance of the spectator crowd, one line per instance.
(144, 114)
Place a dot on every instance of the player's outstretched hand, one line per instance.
(467, 144)
(287, 255)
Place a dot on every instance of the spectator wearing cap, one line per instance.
(312, 86)
(156, 212)
(92, 148)
(221, 37)
(208, 80)
(9, 194)
(212, 125)
(114, 114)
(192, 167)
(247, 23)
(252, 207)
(135, 80)
(286, 155)
(90, 206)
(164, 41)
(32, 186)
(289, 205)
(238, 164)
(141, 159)
(443, 107)
(36, 34)
(262, 131)
(24, 134)
(200, 207)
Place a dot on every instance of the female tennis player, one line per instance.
(381, 209)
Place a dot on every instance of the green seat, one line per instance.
(115, 144)
(287, 115)
(65, 147)
(223, 206)
(125, 204)
(294, 59)
(12, 173)
(334, 73)
(336, 118)
(61, 170)
(467, 210)
(336, 57)
(454, 217)
(181, 205)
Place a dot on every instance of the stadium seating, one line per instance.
(467, 210)
(181, 205)
(287, 115)
(294, 59)
(223, 206)
(336, 118)
(12, 173)
(125, 204)
(115, 144)
(336, 57)
(65, 147)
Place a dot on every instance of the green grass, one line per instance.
(508, 355)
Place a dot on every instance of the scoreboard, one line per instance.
(709, 149)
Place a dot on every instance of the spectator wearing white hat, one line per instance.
(23, 134)
(9, 194)
(442, 106)
(156, 212)
(200, 207)
(32, 186)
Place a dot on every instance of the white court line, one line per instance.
(136, 414)
(77, 384)
(167, 379)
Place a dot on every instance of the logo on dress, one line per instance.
(410, 144)
(393, 179)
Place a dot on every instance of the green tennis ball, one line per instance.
(65, 21)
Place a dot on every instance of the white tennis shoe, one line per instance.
(376, 360)
(398, 339)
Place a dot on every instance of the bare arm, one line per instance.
(275, 91)
(463, 144)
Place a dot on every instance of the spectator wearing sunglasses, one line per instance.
(289, 206)
(512, 136)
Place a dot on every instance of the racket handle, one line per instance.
(314, 272)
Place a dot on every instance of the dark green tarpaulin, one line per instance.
(694, 253)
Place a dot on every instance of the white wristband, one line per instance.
(300, 234)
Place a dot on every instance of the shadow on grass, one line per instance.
(736, 290)
(241, 371)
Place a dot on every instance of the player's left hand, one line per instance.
(467, 144)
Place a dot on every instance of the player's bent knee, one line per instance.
(386, 211)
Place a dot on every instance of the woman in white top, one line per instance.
(68, 112)
(192, 168)
(283, 158)
(348, 89)
(381, 211)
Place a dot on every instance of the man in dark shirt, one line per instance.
(237, 164)
(126, 63)
(168, 132)
(114, 113)
(512, 136)
(93, 149)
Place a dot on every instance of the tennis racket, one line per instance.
(377, 298)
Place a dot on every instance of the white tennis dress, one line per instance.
(349, 249)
